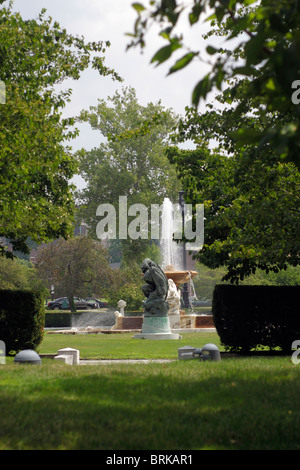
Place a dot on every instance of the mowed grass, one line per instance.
(238, 403)
(124, 346)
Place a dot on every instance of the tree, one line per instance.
(207, 278)
(78, 266)
(252, 217)
(19, 274)
(128, 287)
(130, 162)
(266, 35)
(36, 199)
(249, 182)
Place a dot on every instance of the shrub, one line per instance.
(131, 293)
(248, 316)
(22, 319)
(58, 319)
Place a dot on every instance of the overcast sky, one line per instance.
(110, 20)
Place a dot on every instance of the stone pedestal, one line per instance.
(156, 328)
(174, 320)
(196, 321)
(74, 353)
(128, 323)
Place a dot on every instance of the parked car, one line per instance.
(63, 303)
(56, 304)
(99, 303)
(92, 302)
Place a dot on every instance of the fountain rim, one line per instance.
(183, 275)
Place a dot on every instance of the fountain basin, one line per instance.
(180, 277)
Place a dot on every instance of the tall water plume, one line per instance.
(171, 251)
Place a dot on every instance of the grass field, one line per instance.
(124, 346)
(238, 403)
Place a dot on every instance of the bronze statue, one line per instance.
(155, 289)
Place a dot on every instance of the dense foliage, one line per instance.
(130, 162)
(265, 49)
(22, 319)
(245, 164)
(252, 218)
(35, 164)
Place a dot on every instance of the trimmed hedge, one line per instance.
(58, 319)
(22, 319)
(248, 316)
(64, 319)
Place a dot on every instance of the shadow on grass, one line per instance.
(170, 407)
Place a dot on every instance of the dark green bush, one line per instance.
(22, 319)
(249, 316)
(58, 319)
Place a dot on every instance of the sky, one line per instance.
(110, 21)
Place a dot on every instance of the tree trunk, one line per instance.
(72, 304)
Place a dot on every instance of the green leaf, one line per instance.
(194, 15)
(182, 62)
(244, 70)
(271, 85)
(165, 53)
(211, 17)
(201, 90)
(138, 7)
(254, 46)
(211, 50)
(246, 136)
(220, 13)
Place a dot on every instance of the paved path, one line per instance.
(124, 361)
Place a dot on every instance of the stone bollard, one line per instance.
(70, 352)
(186, 352)
(66, 358)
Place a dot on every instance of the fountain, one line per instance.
(170, 250)
(174, 261)
(162, 315)
(173, 253)
(174, 267)
(178, 318)
(179, 277)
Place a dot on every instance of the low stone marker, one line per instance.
(73, 353)
(67, 359)
(186, 352)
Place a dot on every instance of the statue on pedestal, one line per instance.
(155, 289)
(173, 298)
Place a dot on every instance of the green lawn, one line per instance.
(238, 403)
(124, 346)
